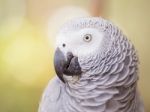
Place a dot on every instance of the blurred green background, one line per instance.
(27, 36)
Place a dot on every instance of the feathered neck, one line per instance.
(85, 96)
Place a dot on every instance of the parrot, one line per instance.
(97, 69)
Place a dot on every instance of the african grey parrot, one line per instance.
(96, 67)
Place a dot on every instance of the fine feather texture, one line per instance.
(110, 72)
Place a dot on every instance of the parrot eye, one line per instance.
(87, 38)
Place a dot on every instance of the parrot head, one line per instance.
(81, 45)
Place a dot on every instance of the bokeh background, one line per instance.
(27, 36)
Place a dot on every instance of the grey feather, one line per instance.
(52, 97)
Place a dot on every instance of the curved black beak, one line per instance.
(66, 66)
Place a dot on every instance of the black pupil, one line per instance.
(86, 37)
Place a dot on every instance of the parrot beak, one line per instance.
(68, 65)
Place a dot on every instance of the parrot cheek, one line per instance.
(68, 66)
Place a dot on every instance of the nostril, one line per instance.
(63, 45)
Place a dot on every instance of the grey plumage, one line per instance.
(108, 82)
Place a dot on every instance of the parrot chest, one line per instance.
(96, 100)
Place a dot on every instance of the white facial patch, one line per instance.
(81, 43)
